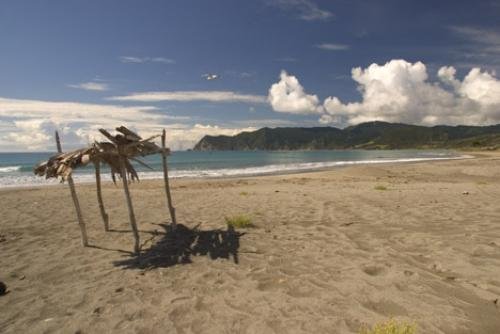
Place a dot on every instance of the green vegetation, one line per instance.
(391, 327)
(380, 187)
(240, 221)
(372, 135)
(243, 193)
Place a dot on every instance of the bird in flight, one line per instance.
(210, 76)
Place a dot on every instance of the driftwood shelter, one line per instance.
(117, 153)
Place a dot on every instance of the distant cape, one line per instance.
(371, 135)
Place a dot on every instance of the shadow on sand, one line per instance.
(177, 247)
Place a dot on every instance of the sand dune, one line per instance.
(329, 254)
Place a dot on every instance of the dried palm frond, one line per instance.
(63, 164)
(126, 145)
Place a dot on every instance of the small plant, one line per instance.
(380, 187)
(391, 327)
(240, 221)
(243, 193)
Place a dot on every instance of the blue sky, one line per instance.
(79, 65)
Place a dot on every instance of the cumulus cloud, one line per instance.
(95, 86)
(289, 96)
(447, 75)
(400, 91)
(186, 96)
(481, 87)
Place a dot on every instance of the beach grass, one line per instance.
(380, 187)
(240, 221)
(391, 327)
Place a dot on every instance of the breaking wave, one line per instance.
(10, 169)
(28, 180)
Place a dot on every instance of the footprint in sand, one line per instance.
(408, 273)
(374, 270)
(385, 307)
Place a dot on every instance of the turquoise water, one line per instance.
(16, 169)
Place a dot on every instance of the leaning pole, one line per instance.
(167, 184)
(131, 214)
(71, 184)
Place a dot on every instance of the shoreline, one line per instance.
(334, 165)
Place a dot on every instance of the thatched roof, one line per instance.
(126, 145)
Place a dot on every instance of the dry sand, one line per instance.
(329, 253)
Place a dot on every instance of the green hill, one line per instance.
(372, 135)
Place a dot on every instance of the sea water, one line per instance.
(16, 169)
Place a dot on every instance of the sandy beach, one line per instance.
(330, 252)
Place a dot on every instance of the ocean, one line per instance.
(16, 169)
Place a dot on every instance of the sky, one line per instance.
(223, 67)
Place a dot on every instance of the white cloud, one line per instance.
(479, 46)
(288, 95)
(246, 75)
(399, 91)
(489, 39)
(185, 138)
(162, 60)
(269, 122)
(72, 111)
(306, 9)
(95, 86)
(481, 87)
(186, 96)
(333, 47)
(447, 75)
(30, 124)
(32, 134)
(141, 60)
(132, 60)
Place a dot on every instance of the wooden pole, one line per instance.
(71, 184)
(131, 214)
(104, 215)
(165, 178)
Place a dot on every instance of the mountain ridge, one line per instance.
(370, 135)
